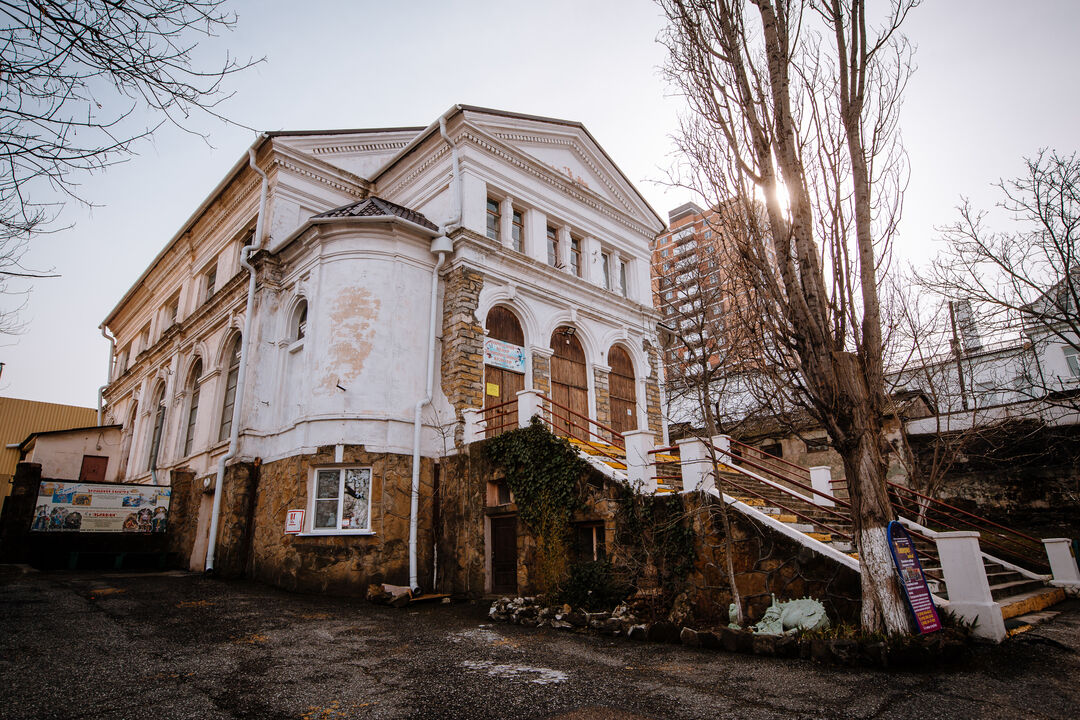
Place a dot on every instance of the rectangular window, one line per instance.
(210, 282)
(575, 256)
(144, 339)
(341, 501)
(517, 231)
(622, 278)
(172, 311)
(493, 219)
(552, 246)
(1072, 359)
(605, 270)
(589, 542)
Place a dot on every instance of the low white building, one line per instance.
(377, 256)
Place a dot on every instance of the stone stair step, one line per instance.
(1031, 602)
(1023, 623)
(1009, 590)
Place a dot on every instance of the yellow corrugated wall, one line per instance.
(19, 418)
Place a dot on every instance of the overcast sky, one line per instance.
(995, 82)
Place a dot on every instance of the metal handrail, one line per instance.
(613, 458)
(614, 433)
(512, 401)
(796, 513)
(838, 501)
(670, 448)
(770, 457)
(942, 503)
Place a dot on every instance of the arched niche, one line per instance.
(569, 383)
(504, 368)
(622, 390)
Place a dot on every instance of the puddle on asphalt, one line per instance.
(523, 673)
(487, 637)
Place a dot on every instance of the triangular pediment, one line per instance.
(568, 149)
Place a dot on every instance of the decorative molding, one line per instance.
(358, 147)
(294, 167)
(418, 170)
(574, 147)
(559, 182)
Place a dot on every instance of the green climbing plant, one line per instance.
(545, 475)
(658, 536)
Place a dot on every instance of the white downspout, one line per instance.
(241, 376)
(108, 378)
(441, 245)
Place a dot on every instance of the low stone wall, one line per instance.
(922, 652)
(766, 563)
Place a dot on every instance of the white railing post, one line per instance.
(640, 465)
(821, 480)
(965, 580)
(1062, 563)
(529, 405)
(694, 458)
(475, 424)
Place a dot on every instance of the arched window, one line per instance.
(622, 389)
(229, 400)
(159, 423)
(193, 406)
(299, 323)
(504, 368)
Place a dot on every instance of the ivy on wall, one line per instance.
(545, 475)
(656, 533)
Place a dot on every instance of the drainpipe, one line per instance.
(108, 378)
(241, 377)
(441, 246)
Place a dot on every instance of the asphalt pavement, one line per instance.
(178, 645)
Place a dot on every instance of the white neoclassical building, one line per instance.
(308, 340)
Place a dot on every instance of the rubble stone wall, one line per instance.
(341, 564)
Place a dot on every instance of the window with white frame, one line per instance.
(341, 500)
(517, 231)
(494, 218)
(210, 281)
(1072, 360)
(298, 326)
(605, 270)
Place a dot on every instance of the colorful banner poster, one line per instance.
(101, 507)
(504, 355)
(913, 580)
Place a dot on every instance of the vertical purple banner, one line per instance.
(912, 579)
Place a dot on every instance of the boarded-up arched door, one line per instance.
(569, 384)
(623, 390)
(502, 384)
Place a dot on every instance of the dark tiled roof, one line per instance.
(377, 207)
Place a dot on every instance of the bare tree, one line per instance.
(83, 82)
(1025, 281)
(802, 99)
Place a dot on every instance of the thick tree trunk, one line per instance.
(860, 445)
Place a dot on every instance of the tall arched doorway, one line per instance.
(504, 368)
(622, 388)
(569, 383)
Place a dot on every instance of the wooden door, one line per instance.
(504, 554)
(569, 385)
(93, 468)
(501, 385)
(623, 390)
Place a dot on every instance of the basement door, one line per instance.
(623, 390)
(569, 384)
(504, 554)
(502, 385)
